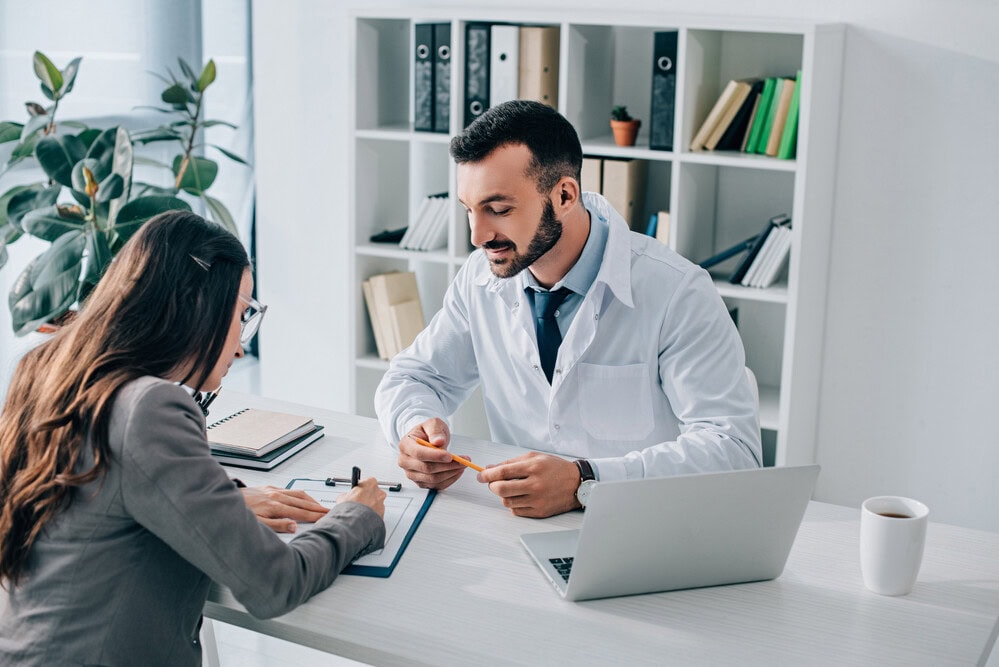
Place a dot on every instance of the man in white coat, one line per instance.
(635, 370)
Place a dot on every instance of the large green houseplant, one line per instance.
(88, 205)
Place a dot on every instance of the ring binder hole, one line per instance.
(665, 63)
(444, 52)
(422, 51)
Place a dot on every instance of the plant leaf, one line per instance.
(110, 188)
(122, 164)
(157, 134)
(102, 153)
(10, 131)
(49, 225)
(58, 155)
(187, 71)
(88, 137)
(99, 257)
(150, 162)
(69, 76)
(48, 73)
(198, 176)
(232, 156)
(220, 214)
(207, 76)
(176, 95)
(48, 286)
(34, 197)
(13, 231)
(135, 213)
(79, 183)
(213, 123)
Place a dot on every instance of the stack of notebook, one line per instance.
(260, 439)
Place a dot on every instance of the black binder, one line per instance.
(663, 90)
(476, 70)
(442, 77)
(423, 79)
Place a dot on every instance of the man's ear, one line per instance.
(565, 195)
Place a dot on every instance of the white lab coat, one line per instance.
(650, 377)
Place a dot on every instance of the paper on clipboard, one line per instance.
(403, 512)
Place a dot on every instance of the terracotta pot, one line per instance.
(625, 131)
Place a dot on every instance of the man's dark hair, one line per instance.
(552, 140)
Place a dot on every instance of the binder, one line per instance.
(442, 77)
(624, 188)
(591, 174)
(504, 63)
(423, 77)
(538, 70)
(663, 90)
(476, 70)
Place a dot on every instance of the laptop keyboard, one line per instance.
(562, 565)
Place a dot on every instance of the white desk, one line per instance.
(465, 591)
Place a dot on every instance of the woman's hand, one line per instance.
(282, 508)
(367, 493)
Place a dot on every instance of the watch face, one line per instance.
(583, 492)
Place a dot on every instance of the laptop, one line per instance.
(670, 533)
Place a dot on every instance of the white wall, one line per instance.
(910, 375)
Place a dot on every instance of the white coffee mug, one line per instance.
(892, 536)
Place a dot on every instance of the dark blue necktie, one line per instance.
(549, 337)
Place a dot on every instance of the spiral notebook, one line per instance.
(254, 432)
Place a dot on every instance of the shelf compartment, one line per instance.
(607, 66)
(712, 58)
(719, 206)
(383, 64)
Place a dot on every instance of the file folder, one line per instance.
(663, 90)
(539, 64)
(423, 77)
(442, 77)
(476, 70)
(504, 67)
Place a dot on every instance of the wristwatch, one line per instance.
(587, 480)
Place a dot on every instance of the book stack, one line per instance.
(396, 313)
(766, 255)
(260, 439)
(757, 116)
(428, 229)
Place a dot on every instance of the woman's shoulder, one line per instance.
(149, 403)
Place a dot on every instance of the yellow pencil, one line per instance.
(454, 457)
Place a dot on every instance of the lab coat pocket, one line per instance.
(614, 401)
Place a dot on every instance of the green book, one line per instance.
(762, 111)
(789, 140)
(768, 122)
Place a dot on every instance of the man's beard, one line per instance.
(547, 235)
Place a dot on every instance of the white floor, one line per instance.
(242, 648)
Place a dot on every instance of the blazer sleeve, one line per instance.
(172, 487)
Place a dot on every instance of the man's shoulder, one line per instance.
(657, 257)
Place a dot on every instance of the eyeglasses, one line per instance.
(250, 319)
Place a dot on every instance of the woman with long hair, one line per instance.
(114, 518)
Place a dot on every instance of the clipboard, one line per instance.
(404, 510)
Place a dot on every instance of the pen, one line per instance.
(390, 486)
(454, 457)
(355, 476)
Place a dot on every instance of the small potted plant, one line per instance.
(624, 126)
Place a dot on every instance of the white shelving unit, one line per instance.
(715, 198)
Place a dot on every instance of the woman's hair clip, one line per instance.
(202, 263)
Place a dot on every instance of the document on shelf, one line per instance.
(404, 510)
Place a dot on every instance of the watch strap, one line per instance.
(585, 470)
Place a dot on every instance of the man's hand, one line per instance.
(429, 468)
(281, 508)
(534, 485)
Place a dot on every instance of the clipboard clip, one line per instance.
(388, 486)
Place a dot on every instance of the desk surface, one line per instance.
(465, 591)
